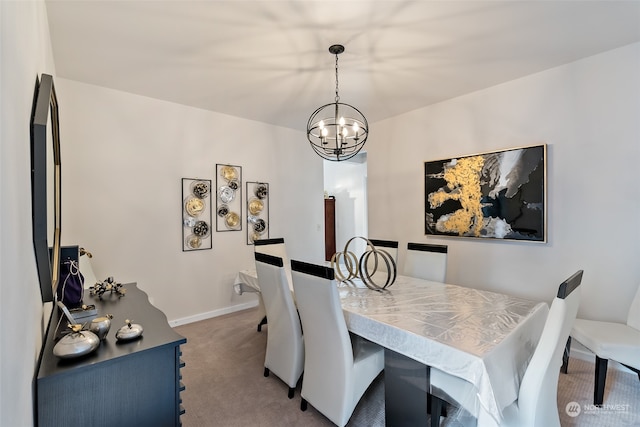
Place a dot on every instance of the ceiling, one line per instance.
(269, 61)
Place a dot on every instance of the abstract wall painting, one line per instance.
(495, 195)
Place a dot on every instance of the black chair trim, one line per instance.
(313, 269)
(425, 247)
(269, 259)
(384, 243)
(274, 241)
(637, 371)
(570, 284)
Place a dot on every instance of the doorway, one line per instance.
(346, 181)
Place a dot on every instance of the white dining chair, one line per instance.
(285, 344)
(337, 370)
(390, 246)
(274, 247)
(536, 405)
(609, 340)
(426, 261)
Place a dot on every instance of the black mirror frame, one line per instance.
(47, 262)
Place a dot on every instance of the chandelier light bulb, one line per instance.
(324, 132)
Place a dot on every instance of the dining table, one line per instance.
(483, 337)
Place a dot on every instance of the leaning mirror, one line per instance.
(45, 185)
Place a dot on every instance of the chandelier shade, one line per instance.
(337, 131)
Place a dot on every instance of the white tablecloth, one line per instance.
(246, 281)
(483, 337)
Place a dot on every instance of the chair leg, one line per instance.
(565, 357)
(601, 377)
(266, 372)
(440, 405)
(291, 390)
(262, 322)
(303, 405)
(437, 410)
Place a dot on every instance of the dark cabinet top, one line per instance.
(135, 306)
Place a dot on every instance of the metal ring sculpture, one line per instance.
(359, 268)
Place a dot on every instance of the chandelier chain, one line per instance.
(337, 96)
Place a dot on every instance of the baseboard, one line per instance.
(213, 313)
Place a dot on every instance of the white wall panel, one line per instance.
(587, 113)
(123, 159)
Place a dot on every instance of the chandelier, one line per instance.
(337, 131)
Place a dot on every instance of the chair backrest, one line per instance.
(426, 261)
(328, 350)
(537, 399)
(285, 348)
(633, 318)
(390, 246)
(274, 247)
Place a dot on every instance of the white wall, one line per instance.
(26, 53)
(123, 159)
(588, 112)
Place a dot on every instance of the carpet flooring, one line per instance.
(225, 385)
